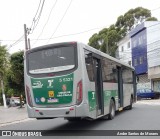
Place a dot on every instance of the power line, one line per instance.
(72, 34)
(139, 54)
(35, 14)
(36, 21)
(16, 42)
(60, 21)
(46, 21)
(66, 35)
(155, 9)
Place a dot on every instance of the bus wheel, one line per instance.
(111, 110)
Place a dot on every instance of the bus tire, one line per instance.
(111, 110)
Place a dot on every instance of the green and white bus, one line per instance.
(75, 81)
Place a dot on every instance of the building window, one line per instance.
(129, 62)
(122, 48)
(140, 41)
(134, 43)
(141, 60)
(135, 62)
(128, 45)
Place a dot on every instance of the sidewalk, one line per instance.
(12, 115)
(149, 101)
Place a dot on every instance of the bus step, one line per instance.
(120, 109)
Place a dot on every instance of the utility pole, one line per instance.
(29, 44)
(3, 94)
(25, 37)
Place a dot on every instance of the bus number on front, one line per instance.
(65, 79)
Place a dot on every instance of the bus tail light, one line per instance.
(79, 92)
(28, 95)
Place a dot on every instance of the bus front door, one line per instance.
(98, 86)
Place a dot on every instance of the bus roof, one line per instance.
(86, 47)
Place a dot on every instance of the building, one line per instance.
(123, 52)
(144, 54)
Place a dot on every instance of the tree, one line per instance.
(3, 61)
(134, 17)
(3, 67)
(108, 38)
(16, 75)
(151, 19)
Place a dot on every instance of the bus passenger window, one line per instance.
(127, 75)
(89, 65)
(109, 71)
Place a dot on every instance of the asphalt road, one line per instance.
(141, 117)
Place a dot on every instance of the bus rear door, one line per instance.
(120, 87)
(98, 85)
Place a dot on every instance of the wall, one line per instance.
(153, 49)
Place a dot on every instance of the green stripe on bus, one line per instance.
(108, 94)
(92, 100)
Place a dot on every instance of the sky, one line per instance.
(62, 20)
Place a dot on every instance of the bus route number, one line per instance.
(65, 79)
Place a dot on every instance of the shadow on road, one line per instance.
(80, 127)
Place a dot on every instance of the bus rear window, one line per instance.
(54, 59)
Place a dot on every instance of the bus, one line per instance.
(74, 81)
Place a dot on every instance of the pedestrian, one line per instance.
(8, 102)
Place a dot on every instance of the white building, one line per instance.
(123, 51)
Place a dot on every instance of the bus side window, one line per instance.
(127, 75)
(109, 71)
(89, 65)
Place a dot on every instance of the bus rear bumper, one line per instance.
(34, 112)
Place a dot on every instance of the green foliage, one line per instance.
(11, 72)
(93, 41)
(108, 38)
(3, 61)
(11, 87)
(133, 17)
(151, 19)
(11, 93)
(16, 75)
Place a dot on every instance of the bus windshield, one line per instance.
(54, 59)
